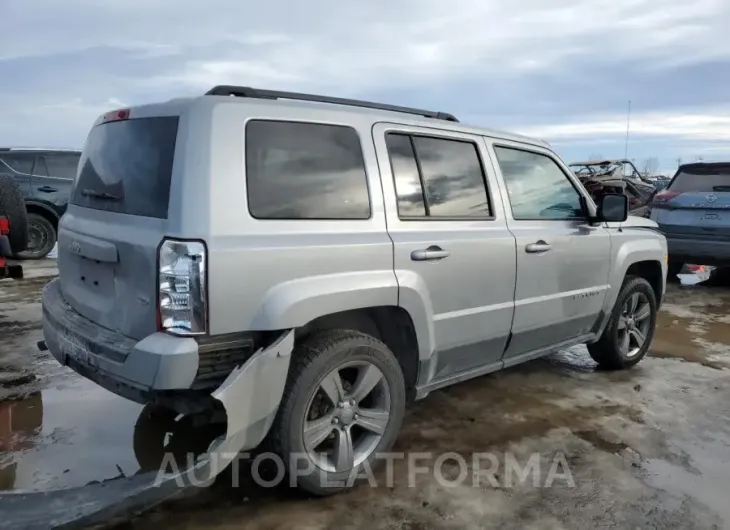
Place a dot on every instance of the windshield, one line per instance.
(126, 167)
(702, 179)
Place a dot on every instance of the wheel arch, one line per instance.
(392, 325)
(640, 257)
(43, 210)
(651, 271)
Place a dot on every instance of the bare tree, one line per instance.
(651, 165)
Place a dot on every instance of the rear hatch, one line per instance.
(117, 217)
(696, 204)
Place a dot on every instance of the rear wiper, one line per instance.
(725, 187)
(100, 195)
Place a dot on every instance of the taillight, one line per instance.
(4, 226)
(116, 115)
(665, 196)
(182, 301)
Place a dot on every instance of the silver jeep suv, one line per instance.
(307, 265)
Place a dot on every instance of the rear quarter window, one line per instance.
(19, 163)
(62, 166)
(297, 170)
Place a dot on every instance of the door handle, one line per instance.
(539, 246)
(432, 253)
(47, 189)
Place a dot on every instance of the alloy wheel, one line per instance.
(634, 324)
(347, 416)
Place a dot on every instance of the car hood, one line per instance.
(634, 221)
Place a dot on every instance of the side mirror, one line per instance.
(613, 208)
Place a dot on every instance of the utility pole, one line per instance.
(628, 125)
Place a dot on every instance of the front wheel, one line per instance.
(41, 238)
(629, 333)
(343, 405)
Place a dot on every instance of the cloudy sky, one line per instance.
(562, 70)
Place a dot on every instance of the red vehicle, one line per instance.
(13, 227)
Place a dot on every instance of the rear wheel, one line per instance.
(41, 237)
(12, 206)
(344, 403)
(629, 333)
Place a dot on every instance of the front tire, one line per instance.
(41, 237)
(629, 333)
(343, 404)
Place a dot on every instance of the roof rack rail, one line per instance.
(248, 92)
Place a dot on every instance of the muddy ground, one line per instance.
(645, 448)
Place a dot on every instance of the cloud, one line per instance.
(687, 125)
(562, 69)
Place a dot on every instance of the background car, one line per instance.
(616, 176)
(693, 212)
(45, 177)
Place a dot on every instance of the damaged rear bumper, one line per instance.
(250, 397)
(162, 364)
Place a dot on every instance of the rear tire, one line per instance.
(12, 206)
(630, 330)
(337, 365)
(41, 238)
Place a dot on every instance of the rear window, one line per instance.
(305, 171)
(702, 179)
(126, 167)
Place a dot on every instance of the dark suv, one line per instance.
(45, 177)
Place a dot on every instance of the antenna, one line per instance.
(628, 125)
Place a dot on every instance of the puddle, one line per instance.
(694, 325)
(66, 436)
(706, 478)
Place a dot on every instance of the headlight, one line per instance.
(182, 301)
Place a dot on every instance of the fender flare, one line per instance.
(297, 302)
(294, 303)
(416, 299)
(631, 252)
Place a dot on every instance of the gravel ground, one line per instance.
(644, 448)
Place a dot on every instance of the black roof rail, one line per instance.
(258, 93)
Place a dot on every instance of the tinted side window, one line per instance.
(63, 166)
(40, 169)
(408, 187)
(305, 171)
(452, 177)
(537, 187)
(22, 163)
(446, 174)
